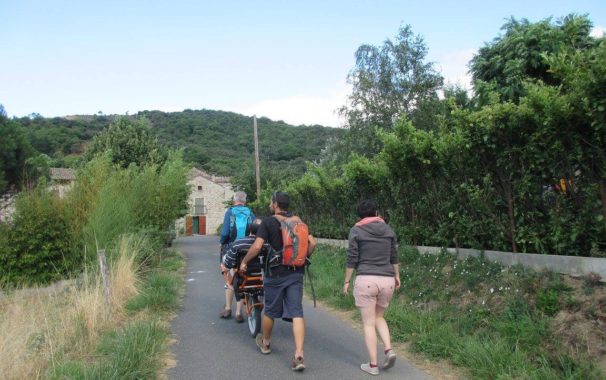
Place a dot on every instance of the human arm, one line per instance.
(353, 253)
(348, 274)
(311, 245)
(394, 260)
(352, 259)
(225, 228)
(231, 256)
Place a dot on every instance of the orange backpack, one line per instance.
(295, 235)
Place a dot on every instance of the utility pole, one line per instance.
(256, 137)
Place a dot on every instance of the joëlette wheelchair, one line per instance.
(248, 286)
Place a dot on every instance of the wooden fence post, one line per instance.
(104, 276)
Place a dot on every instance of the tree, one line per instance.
(129, 141)
(583, 76)
(14, 151)
(518, 56)
(389, 82)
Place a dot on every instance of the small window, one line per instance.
(199, 187)
(199, 206)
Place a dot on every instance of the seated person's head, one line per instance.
(254, 227)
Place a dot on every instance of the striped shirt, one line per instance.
(239, 249)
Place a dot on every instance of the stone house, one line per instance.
(61, 180)
(206, 203)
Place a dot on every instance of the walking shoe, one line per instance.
(390, 359)
(265, 349)
(370, 370)
(298, 364)
(239, 318)
(225, 314)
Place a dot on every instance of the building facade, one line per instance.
(207, 203)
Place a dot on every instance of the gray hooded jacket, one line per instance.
(373, 249)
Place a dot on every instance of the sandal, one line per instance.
(225, 314)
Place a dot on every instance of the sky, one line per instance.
(283, 60)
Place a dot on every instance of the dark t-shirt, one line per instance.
(269, 230)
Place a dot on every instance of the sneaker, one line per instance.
(239, 318)
(390, 360)
(225, 314)
(265, 349)
(298, 364)
(370, 370)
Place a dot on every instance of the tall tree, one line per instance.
(518, 56)
(129, 141)
(389, 81)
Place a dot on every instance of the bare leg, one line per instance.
(381, 326)
(229, 295)
(268, 325)
(239, 307)
(370, 335)
(298, 331)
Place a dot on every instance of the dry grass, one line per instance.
(41, 325)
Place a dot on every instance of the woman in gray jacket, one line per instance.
(373, 253)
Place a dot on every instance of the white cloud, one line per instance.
(453, 66)
(299, 109)
(598, 32)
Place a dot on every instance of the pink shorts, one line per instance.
(372, 291)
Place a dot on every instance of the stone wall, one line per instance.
(569, 265)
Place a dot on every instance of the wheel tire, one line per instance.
(254, 319)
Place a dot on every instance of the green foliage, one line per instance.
(128, 141)
(216, 141)
(60, 137)
(547, 301)
(518, 55)
(116, 201)
(131, 353)
(388, 82)
(14, 151)
(37, 247)
(160, 293)
(521, 173)
(49, 237)
(479, 315)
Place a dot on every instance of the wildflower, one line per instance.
(491, 290)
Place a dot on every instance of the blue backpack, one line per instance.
(239, 222)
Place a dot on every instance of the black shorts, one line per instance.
(284, 295)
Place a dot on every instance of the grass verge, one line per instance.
(496, 322)
(69, 330)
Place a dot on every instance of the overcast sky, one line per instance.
(284, 60)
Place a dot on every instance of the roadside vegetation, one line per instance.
(496, 322)
(124, 201)
(518, 165)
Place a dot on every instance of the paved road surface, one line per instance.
(212, 348)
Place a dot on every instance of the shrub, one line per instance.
(38, 247)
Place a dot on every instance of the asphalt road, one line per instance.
(211, 348)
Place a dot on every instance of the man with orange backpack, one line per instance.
(291, 245)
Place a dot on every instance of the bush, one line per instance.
(38, 247)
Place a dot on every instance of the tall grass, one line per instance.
(41, 326)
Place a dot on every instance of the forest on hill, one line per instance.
(217, 141)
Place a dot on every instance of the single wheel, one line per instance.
(254, 316)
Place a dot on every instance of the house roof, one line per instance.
(195, 172)
(62, 174)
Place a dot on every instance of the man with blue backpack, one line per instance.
(236, 225)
